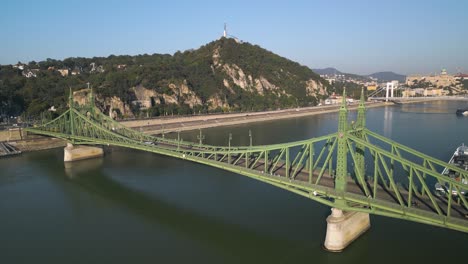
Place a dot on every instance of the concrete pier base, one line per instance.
(73, 153)
(343, 228)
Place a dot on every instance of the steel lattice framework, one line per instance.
(354, 169)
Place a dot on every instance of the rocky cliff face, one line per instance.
(109, 105)
(215, 102)
(144, 96)
(117, 108)
(315, 88)
(265, 81)
(179, 94)
(236, 76)
(81, 97)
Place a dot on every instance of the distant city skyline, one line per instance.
(362, 37)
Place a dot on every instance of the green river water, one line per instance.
(137, 207)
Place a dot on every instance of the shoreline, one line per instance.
(160, 125)
(167, 125)
(27, 143)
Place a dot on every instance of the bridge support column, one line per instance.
(73, 153)
(343, 228)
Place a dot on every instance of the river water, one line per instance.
(137, 207)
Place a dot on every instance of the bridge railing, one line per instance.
(408, 182)
(395, 181)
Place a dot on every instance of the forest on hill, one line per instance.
(223, 75)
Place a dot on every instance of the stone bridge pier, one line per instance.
(343, 228)
(74, 153)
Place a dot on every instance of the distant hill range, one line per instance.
(333, 71)
(381, 76)
(388, 76)
(327, 71)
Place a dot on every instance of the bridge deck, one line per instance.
(327, 181)
(385, 197)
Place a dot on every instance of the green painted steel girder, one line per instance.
(281, 166)
(342, 152)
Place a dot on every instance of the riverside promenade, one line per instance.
(172, 124)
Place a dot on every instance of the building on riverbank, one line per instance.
(442, 80)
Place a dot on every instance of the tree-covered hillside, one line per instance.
(220, 75)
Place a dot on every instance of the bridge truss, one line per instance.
(353, 169)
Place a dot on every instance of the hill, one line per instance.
(381, 76)
(388, 76)
(334, 72)
(327, 71)
(223, 75)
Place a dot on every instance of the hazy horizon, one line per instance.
(363, 37)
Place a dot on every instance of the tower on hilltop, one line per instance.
(225, 35)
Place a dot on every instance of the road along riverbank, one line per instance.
(25, 142)
(173, 124)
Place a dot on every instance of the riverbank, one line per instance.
(160, 125)
(173, 124)
(34, 143)
(25, 142)
(414, 100)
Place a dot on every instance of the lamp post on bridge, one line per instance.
(72, 126)
(229, 148)
(91, 101)
(200, 137)
(178, 140)
(250, 136)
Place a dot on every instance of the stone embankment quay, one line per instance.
(24, 142)
(167, 125)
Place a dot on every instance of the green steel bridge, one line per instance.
(353, 169)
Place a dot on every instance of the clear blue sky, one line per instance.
(353, 36)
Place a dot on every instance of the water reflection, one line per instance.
(436, 107)
(388, 120)
(234, 241)
(134, 205)
(76, 168)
